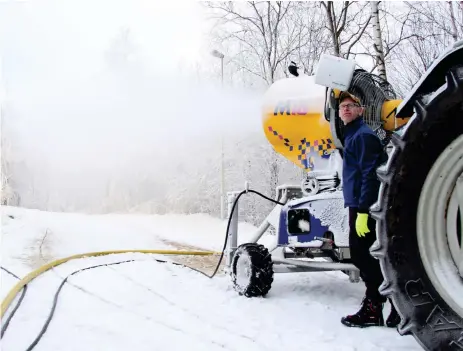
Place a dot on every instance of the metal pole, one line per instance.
(222, 181)
(232, 243)
(220, 55)
(221, 60)
(335, 266)
(222, 170)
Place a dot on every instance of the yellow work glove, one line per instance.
(361, 224)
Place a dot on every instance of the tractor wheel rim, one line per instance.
(439, 225)
(455, 224)
(243, 271)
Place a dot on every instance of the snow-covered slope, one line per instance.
(146, 305)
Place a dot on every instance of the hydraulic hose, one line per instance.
(28, 278)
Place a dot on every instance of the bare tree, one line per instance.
(429, 32)
(378, 41)
(437, 14)
(121, 50)
(267, 33)
(390, 28)
(453, 21)
(346, 23)
(349, 22)
(9, 159)
(309, 15)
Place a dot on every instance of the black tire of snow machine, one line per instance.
(424, 313)
(261, 276)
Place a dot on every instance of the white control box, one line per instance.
(334, 72)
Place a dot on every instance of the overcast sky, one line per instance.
(43, 37)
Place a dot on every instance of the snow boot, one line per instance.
(394, 319)
(369, 315)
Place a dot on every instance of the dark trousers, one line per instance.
(370, 271)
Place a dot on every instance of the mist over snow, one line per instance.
(106, 110)
(76, 140)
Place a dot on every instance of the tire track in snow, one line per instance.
(207, 263)
(182, 308)
(151, 319)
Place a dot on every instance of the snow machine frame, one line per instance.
(294, 250)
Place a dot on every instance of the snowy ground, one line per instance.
(146, 305)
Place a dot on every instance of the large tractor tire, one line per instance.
(419, 217)
(252, 270)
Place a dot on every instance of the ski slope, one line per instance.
(147, 305)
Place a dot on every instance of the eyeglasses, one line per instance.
(348, 106)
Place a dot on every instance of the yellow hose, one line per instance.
(28, 278)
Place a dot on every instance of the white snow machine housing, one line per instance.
(419, 212)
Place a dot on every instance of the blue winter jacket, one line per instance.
(363, 153)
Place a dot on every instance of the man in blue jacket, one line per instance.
(363, 153)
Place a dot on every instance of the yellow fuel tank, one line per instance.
(294, 123)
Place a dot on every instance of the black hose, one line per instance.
(14, 275)
(55, 299)
(229, 223)
(8, 320)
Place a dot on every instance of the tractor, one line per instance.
(419, 211)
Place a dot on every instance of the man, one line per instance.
(363, 153)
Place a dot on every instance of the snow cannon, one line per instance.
(294, 122)
(301, 114)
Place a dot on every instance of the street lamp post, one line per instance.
(221, 56)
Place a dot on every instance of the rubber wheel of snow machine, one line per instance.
(424, 311)
(252, 270)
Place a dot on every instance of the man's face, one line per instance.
(349, 110)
